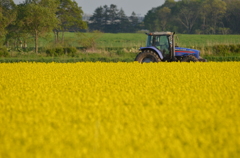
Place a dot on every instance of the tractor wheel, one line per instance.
(147, 56)
(189, 58)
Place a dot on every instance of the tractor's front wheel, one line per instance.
(147, 56)
(189, 58)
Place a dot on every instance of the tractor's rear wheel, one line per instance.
(147, 56)
(189, 58)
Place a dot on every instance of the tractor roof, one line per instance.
(160, 33)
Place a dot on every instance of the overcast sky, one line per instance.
(138, 6)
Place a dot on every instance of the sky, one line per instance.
(138, 6)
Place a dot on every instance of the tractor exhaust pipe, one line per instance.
(173, 48)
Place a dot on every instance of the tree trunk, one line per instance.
(36, 41)
(62, 36)
(56, 35)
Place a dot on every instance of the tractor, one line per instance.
(161, 47)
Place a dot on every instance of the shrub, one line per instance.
(89, 41)
(235, 48)
(70, 51)
(3, 52)
(51, 52)
(221, 49)
(59, 51)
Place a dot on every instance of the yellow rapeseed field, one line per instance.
(122, 110)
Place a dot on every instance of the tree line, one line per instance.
(113, 20)
(195, 16)
(36, 18)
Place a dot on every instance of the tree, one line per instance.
(109, 19)
(150, 20)
(211, 13)
(113, 14)
(134, 22)
(16, 33)
(164, 15)
(106, 16)
(188, 13)
(199, 16)
(7, 15)
(160, 17)
(124, 22)
(33, 18)
(70, 17)
(97, 20)
(232, 15)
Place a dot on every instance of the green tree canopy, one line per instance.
(7, 15)
(232, 16)
(195, 16)
(70, 17)
(188, 13)
(164, 15)
(33, 18)
(111, 19)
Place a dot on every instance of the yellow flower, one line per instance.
(120, 109)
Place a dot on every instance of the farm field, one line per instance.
(139, 39)
(120, 110)
(120, 47)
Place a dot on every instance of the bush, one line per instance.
(70, 51)
(235, 48)
(59, 51)
(51, 52)
(3, 52)
(222, 49)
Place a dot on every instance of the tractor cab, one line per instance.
(162, 42)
